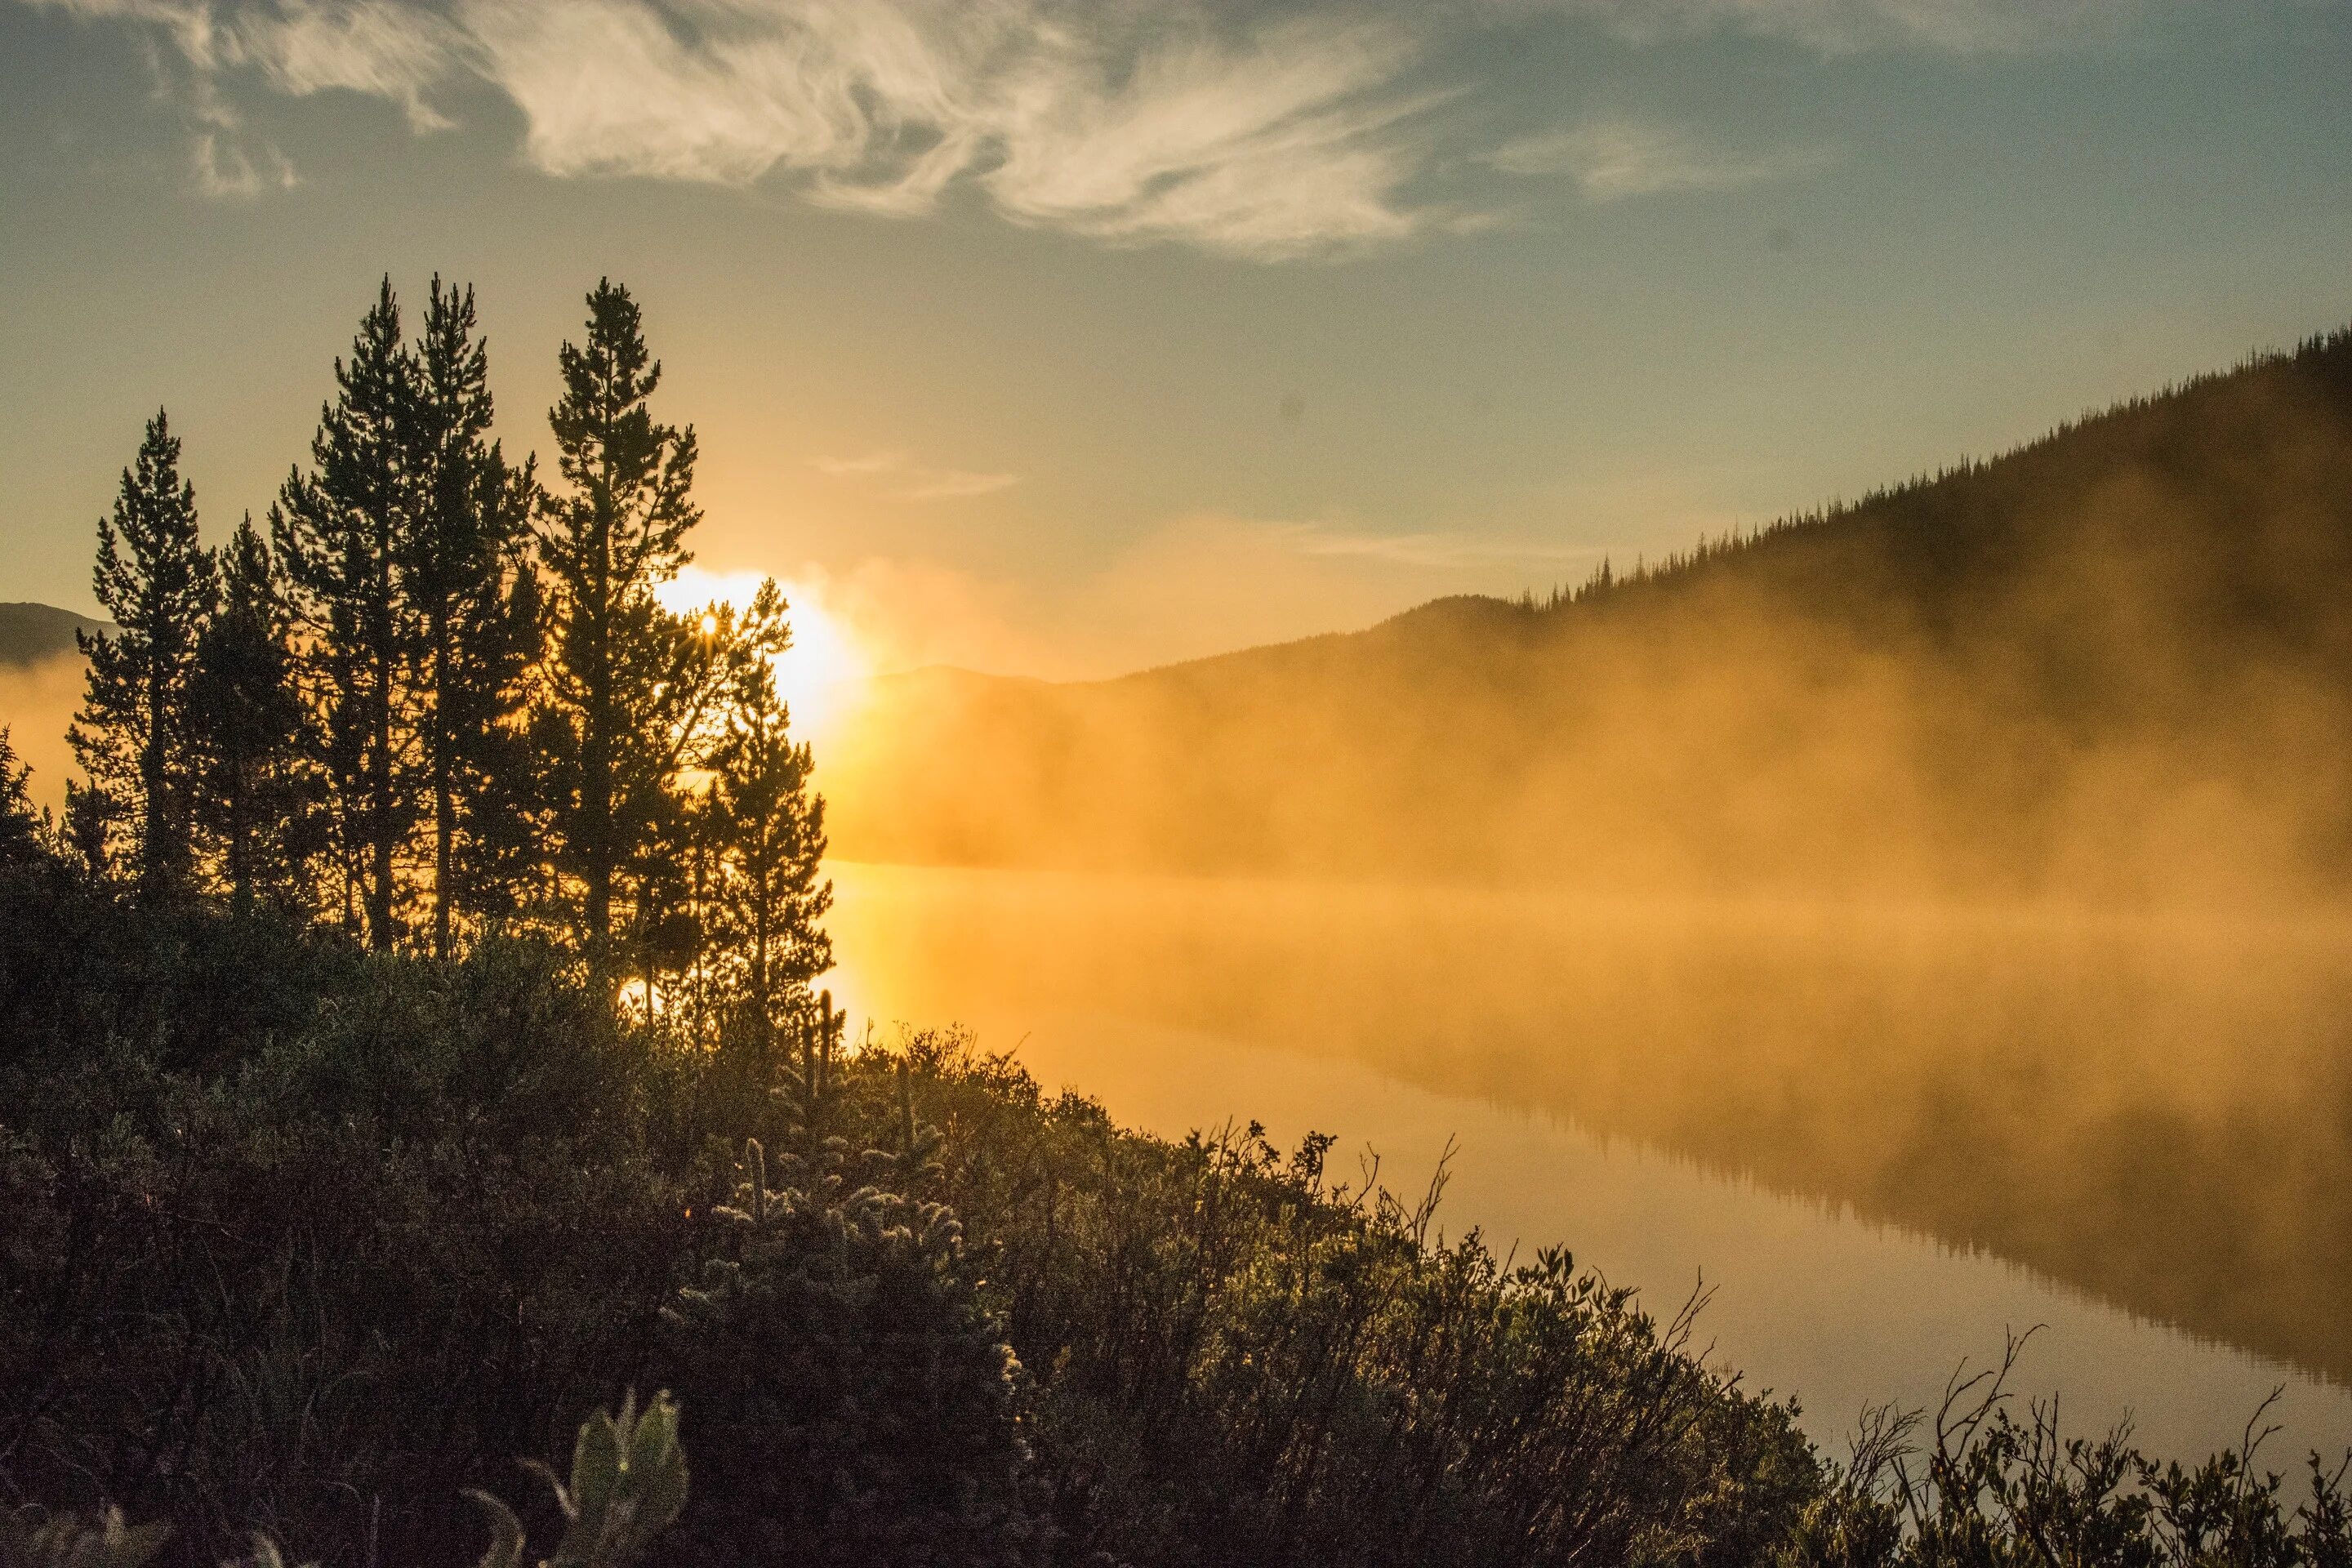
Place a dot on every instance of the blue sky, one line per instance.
(1069, 338)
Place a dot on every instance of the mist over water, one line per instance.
(1889, 1134)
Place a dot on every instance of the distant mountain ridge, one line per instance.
(30, 633)
(2113, 659)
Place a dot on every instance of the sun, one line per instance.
(817, 675)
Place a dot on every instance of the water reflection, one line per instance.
(2155, 1113)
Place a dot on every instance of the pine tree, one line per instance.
(772, 832)
(631, 682)
(464, 572)
(339, 533)
(250, 799)
(25, 833)
(157, 583)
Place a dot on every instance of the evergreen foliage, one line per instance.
(630, 681)
(158, 583)
(464, 566)
(23, 832)
(342, 532)
(767, 898)
(437, 702)
(252, 800)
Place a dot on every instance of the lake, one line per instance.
(1883, 1137)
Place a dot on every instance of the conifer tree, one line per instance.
(250, 800)
(631, 682)
(339, 531)
(157, 583)
(772, 831)
(24, 831)
(465, 571)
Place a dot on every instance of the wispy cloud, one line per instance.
(1266, 141)
(1847, 26)
(1610, 159)
(954, 484)
(222, 168)
(896, 477)
(1267, 132)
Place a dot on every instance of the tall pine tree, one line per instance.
(466, 573)
(631, 683)
(157, 583)
(341, 531)
(771, 830)
(252, 804)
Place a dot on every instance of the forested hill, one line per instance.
(31, 633)
(2117, 661)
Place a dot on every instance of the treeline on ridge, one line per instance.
(2114, 666)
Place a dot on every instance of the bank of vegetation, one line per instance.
(413, 1048)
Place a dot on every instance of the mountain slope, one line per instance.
(31, 633)
(2117, 662)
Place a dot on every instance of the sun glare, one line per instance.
(814, 675)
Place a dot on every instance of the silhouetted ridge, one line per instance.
(30, 633)
(2169, 580)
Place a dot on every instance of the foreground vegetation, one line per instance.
(309, 1240)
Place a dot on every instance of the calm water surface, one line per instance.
(1883, 1139)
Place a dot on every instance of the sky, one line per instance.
(1065, 339)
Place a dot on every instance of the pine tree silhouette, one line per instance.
(623, 672)
(462, 566)
(339, 531)
(768, 901)
(157, 583)
(251, 798)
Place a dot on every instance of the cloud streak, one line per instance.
(1611, 159)
(1850, 27)
(902, 479)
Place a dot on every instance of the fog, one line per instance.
(1978, 857)
(2152, 1110)
(37, 703)
(1685, 738)
(1641, 1084)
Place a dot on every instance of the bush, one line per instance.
(856, 1399)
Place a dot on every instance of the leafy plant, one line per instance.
(628, 1486)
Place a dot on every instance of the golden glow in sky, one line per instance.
(816, 675)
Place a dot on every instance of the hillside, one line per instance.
(2114, 662)
(30, 633)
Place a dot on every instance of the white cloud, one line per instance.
(1126, 123)
(1609, 159)
(1302, 132)
(373, 47)
(909, 480)
(222, 168)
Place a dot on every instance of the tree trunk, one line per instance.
(444, 808)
